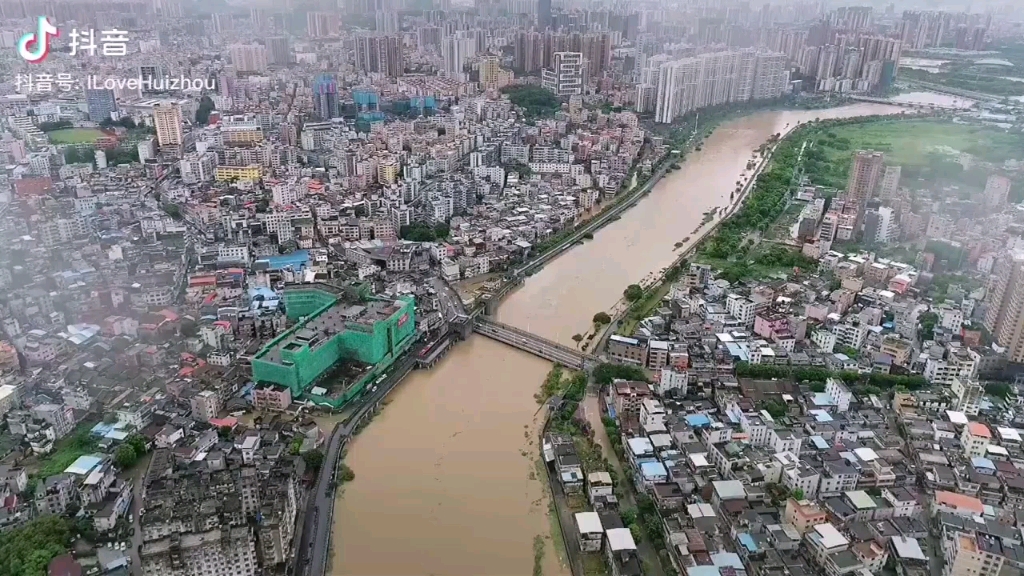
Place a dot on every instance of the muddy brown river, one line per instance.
(446, 482)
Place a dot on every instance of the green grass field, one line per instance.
(913, 144)
(909, 142)
(75, 135)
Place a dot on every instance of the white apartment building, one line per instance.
(713, 79)
(39, 163)
(742, 309)
(975, 438)
(672, 380)
(971, 555)
(217, 552)
(248, 57)
(824, 341)
(959, 363)
(197, 167)
(840, 395)
(801, 477)
(567, 76)
(784, 441)
(233, 254)
(950, 317)
(167, 119)
(967, 393)
(287, 193)
(850, 335)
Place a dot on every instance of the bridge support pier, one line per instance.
(491, 306)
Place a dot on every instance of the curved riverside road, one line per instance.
(314, 545)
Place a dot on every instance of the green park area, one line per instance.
(928, 149)
(75, 135)
(536, 101)
(968, 78)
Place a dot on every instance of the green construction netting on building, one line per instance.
(290, 361)
(304, 302)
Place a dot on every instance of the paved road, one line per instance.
(531, 343)
(138, 479)
(451, 304)
(311, 556)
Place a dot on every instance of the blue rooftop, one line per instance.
(748, 542)
(109, 431)
(653, 469)
(83, 465)
(821, 415)
(295, 260)
(823, 399)
(980, 462)
(819, 442)
(698, 420)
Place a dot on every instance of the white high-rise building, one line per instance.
(715, 78)
(456, 50)
(167, 118)
(890, 181)
(880, 225)
(568, 75)
(387, 21)
(248, 57)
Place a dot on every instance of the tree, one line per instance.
(577, 338)
(420, 232)
(346, 474)
(775, 408)
(637, 532)
(817, 387)
(224, 432)
(203, 112)
(798, 494)
(26, 551)
(125, 456)
(172, 210)
(926, 325)
(607, 373)
(534, 100)
(52, 126)
(138, 443)
(629, 516)
(633, 292)
(998, 389)
(315, 459)
(602, 318)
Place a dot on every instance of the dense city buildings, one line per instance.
(229, 236)
(713, 79)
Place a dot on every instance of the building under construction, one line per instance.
(339, 345)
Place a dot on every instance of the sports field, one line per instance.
(75, 135)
